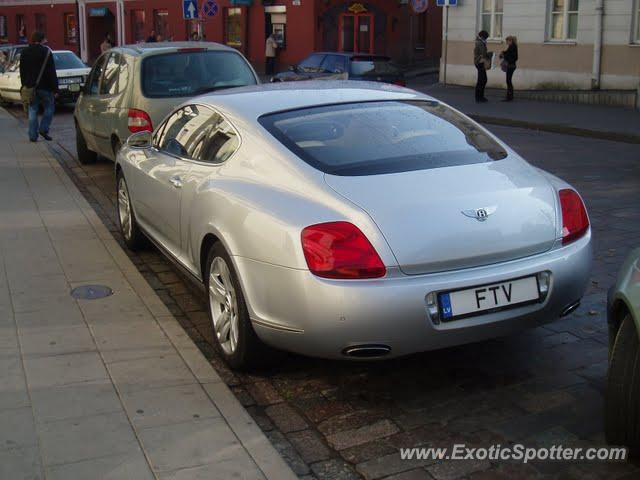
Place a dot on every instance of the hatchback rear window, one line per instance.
(67, 61)
(190, 73)
(382, 137)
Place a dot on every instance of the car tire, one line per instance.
(236, 340)
(622, 407)
(85, 155)
(131, 233)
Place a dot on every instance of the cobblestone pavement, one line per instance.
(338, 420)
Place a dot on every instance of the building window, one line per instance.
(491, 17)
(3, 29)
(21, 27)
(564, 20)
(41, 23)
(233, 27)
(160, 24)
(137, 26)
(70, 29)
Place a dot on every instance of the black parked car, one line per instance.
(344, 66)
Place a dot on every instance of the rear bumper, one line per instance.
(296, 311)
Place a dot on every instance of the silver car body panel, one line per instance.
(260, 199)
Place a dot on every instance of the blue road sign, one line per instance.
(442, 3)
(209, 8)
(190, 9)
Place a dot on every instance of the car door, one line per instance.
(334, 67)
(10, 83)
(159, 176)
(104, 105)
(85, 109)
(211, 142)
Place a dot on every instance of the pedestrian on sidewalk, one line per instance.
(38, 73)
(106, 44)
(482, 61)
(271, 47)
(509, 58)
(152, 37)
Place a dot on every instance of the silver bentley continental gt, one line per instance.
(352, 220)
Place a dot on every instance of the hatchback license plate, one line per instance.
(495, 296)
(74, 87)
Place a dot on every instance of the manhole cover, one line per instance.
(91, 292)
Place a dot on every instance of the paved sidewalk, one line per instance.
(99, 389)
(608, 123)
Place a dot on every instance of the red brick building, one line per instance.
(390, 27)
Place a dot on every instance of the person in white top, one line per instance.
(271, 48)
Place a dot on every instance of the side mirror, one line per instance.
(292, 68)
(140, 140)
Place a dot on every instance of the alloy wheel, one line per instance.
(224, 305)
(124, 209)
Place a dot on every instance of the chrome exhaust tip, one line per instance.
(366, 351)
(570, 308)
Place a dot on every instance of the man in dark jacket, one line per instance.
(480, 59)
(32, 59)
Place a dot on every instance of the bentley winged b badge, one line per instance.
(480, 214)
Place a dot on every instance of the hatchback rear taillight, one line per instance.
(340, 250)
(139, 121)
(575, 221)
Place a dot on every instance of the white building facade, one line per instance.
(563, 44)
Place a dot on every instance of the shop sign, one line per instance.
(99, 12)
(357, 8)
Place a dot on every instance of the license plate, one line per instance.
(74, 87)
(495, 296)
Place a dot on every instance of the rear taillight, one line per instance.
(139, 121)
(575, 221)
(340, 250)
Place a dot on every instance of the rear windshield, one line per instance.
(382, 137)
(67, 61)
(373, 66)
(191, 73)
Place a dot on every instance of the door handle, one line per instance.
(176, 182)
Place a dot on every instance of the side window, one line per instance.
(96, 74)
(215, 141)
(175, 132)
(109, 85)
(333, 64)
(123, 78)
(311, 63)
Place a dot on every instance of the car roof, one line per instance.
(141, 49)
(251, 102)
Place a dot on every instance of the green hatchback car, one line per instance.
(622, 414)
(132, 88)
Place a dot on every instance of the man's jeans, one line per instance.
(47, 100)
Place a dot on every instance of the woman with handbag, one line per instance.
(482, 61)
(509, 58)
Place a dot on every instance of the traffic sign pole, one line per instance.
(446, 42)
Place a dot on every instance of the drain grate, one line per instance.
(91, 292)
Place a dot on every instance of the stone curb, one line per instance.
(555, 128)
(250, 435)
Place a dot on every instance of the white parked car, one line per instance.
(72, 73)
